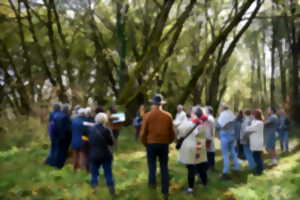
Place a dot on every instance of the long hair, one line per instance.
(258, 114)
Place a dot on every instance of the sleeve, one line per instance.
(270, 120)
(172, 130)
(109, 137)
(250, 129)
(144, 131)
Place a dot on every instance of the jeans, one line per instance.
(228, 147)
(249, 156)
(201, 169)
(211, 159)
(161, 152)
(107, 167)
(284, 140)
(258, 161)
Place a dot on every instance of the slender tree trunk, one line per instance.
(282, 74)
(273, 64)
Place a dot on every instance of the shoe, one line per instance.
(112, 191)
(188, 191)
(225, 177)
(152, 186)
(166, 197)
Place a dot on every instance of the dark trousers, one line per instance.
(258, 161)
(116, 133)
(137, 132)
(160, 151)
(51, 159)
(211, 160)
(107, 167)
(62, 153)
(200, 169)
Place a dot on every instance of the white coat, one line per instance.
(193, 149)
(256, 131)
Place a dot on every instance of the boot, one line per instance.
(112, 191)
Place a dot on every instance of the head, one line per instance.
(76, 108)
(157, 101)
(56, 107)
(247, 112)
(257, 114)
(197, 112)
(66, 108)
(282, 112)
(81, 112)
(101, 118)
(99, 109)
(179, 108)
(113, 109)
(271, 111)
(240, 115)
(88, 112)
(210, 110)
(224, 107)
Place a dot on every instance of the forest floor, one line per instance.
(24, 146)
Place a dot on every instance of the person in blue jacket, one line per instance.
(52, 132)
(78, 130)
(63, 123)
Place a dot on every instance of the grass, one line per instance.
(24, 146)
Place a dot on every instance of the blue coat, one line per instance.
(51, 125)
(78, 130)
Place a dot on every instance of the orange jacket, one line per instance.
(157, 128)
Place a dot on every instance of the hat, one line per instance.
(158, 99)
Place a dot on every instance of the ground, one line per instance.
(24, 146)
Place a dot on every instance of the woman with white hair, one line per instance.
(192, 152)
(101, 141)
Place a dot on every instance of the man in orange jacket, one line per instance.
(156, 134)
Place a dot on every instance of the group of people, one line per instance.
(242, 136)
(90, 138)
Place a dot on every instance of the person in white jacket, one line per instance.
(256, 136)
(192, 152)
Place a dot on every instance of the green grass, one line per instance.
(24, 146)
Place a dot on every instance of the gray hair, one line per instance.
(101, 118)
(88, 111)
(180, 107)
(81, 112)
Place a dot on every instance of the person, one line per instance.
(270, 128)
(210, 132)
(244, 140)
(115, 127)
(283, 131)
(156, 134)
(52, 132)
(180, 116)
(225, 125)
(256, 132)
(63, 123)
(192, 153)
(137, 122)
(100, 154)
(75, 111)
(237, 128)
(88, 121)
(78, 130)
